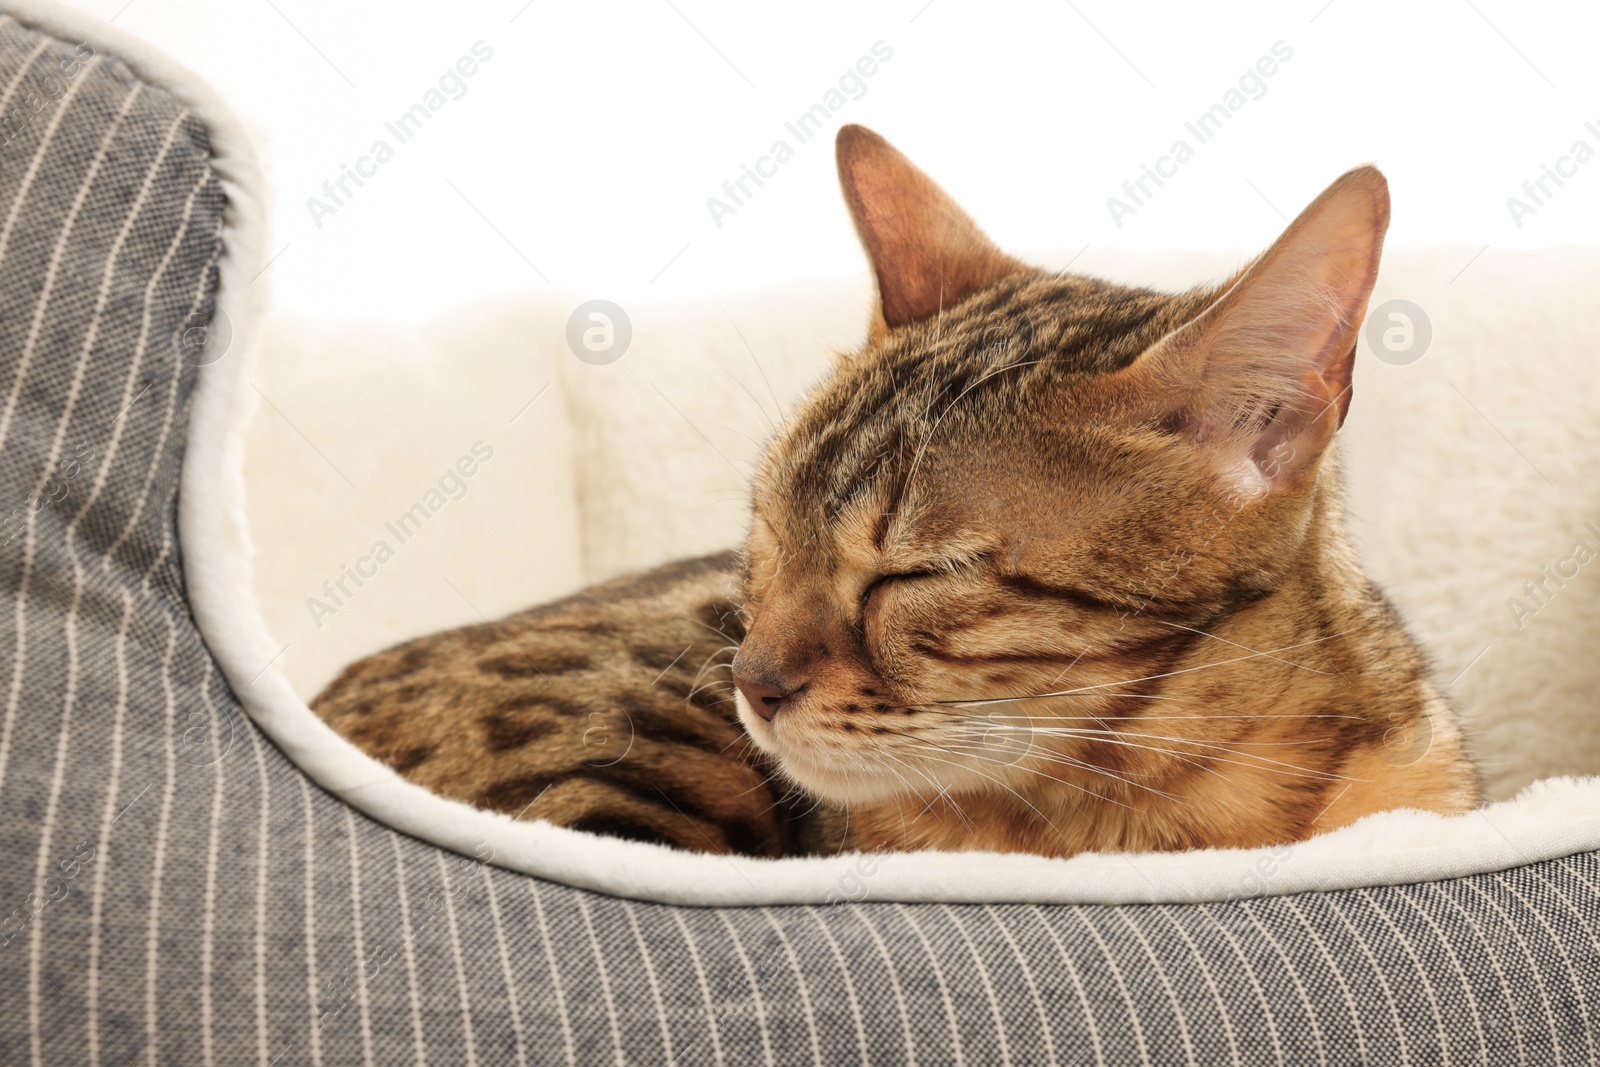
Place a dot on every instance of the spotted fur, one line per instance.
(610, 711)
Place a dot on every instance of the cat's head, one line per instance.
(1026, 483)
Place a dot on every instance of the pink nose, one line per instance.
(765, 696)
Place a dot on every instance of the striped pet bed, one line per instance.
(192, 871)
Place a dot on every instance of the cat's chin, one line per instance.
(818, 777)
(826, 784)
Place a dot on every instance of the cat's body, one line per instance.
(1052, 565)
(610, 711)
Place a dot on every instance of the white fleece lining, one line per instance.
(1553, 818)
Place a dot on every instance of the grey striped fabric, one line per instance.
(175, 892)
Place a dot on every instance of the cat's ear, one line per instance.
(1262, 375)
(927, 253)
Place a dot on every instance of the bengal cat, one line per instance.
(1049, 565)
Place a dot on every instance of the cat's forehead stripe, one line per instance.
(863, 431)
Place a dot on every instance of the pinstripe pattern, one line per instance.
(233, 913)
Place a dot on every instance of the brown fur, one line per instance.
(609, 711)
(1051, 565)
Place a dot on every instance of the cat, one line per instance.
(1050, 565)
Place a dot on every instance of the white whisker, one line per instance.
(1288, 769)
(1019, 796)
(1007, 788)
(1165, 718)
(1235, 644)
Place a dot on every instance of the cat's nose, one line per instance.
(765, 694)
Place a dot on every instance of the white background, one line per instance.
(585, 149)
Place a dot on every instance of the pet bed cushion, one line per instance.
(186, 882)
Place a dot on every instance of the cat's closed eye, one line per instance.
(954, 567)
(897, 578)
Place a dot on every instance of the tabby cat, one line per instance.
(1050, 565)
